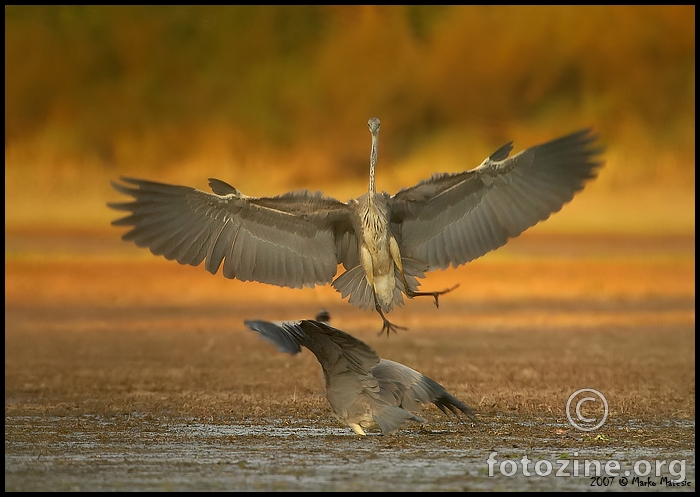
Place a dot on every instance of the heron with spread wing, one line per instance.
(384, 242)
(364, 391)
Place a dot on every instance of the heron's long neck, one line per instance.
(372, 167)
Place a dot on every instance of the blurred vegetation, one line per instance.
(93, 91)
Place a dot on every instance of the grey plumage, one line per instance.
(384, 242)
(363, 390)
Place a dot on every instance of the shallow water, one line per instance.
(97, 453)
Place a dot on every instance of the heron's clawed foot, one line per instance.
(389, 326)
(435, 295)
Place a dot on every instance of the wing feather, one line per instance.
(409, 389)
(336, 351)
(289, 240)
(451, 219)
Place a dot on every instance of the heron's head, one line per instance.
(373, 124)
(323, 316)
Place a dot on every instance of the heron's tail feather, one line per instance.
(353, 282)
(429, 389)
(447, 403)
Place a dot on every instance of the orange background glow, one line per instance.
(274, 98)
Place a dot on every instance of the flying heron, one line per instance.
(384, 242)
(363, 390)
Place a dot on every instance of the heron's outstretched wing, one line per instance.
(455, 218)
(410, 389)
(338, 352)
(356, 379)
(288, 240)
(347, 363)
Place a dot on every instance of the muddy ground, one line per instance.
(127, 372)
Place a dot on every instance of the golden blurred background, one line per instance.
(275, 98)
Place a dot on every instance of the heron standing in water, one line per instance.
(384, 242)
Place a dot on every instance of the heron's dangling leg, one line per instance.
(388, 325)
(435, 295)
(412, 293)
(396, 256)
